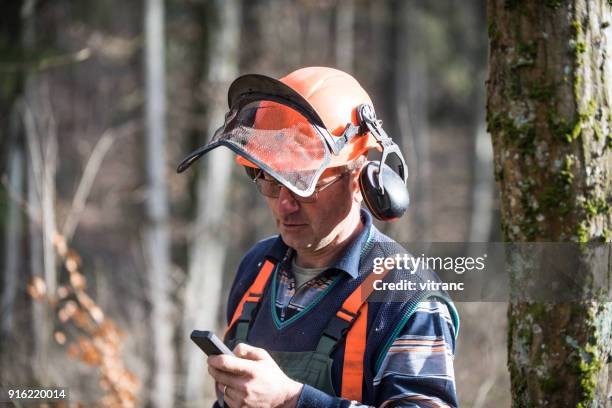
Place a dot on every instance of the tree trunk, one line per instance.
(41, 141)
(345, 35)
(12, 239)
(208, 248)
(11, 158)
(481, 216)
(412, 105)
(548, 114)
(157, 237)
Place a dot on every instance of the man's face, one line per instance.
(313, 226)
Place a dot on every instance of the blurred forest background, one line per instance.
(99, 101)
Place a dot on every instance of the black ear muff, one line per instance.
(388, 203)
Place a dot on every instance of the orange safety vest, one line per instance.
(354, 311)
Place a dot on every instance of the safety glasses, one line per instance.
(268, 187)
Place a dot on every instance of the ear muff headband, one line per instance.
(383, 188)
(371, 123)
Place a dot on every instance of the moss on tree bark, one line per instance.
(550, 119)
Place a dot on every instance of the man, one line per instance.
(304, 324)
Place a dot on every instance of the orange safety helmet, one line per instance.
(312, 119)
(334, 96)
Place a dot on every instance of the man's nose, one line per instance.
(287, 203)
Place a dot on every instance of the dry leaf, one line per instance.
(73, 351)
(85, 300)
(81, 320)
(73, 261)
(37, 288)
(59, 337)
(67, 311)
(62, 292)
(77, 280)
(59, 242)
(96, 314)
(89, 353)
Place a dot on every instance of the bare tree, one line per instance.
(157, 239)
(208, 247)
(11, 146)
(412, 110)
(548, 113)
(41, 141)
(12, 251)
(481, 216)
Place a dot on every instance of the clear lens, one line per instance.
(271, 188)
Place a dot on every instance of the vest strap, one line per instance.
(252, 296)
(335, 330)
(354, 312)
(352, 370)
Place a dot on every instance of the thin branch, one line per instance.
(483, 392)
(36, 160)
(47, 63)
(49, 146)
(84, 188)
(19, 199)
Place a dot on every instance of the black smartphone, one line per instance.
(209, 343)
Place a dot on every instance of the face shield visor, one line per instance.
(280, 137)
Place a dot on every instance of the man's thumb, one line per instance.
(248, 352)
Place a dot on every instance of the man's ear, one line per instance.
(355, 188)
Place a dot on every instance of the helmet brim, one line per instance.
(261, 84)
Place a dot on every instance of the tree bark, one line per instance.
(157, 236)
(548, 113)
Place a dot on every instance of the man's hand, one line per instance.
(252, 378)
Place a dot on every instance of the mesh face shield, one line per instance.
(277, 136)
